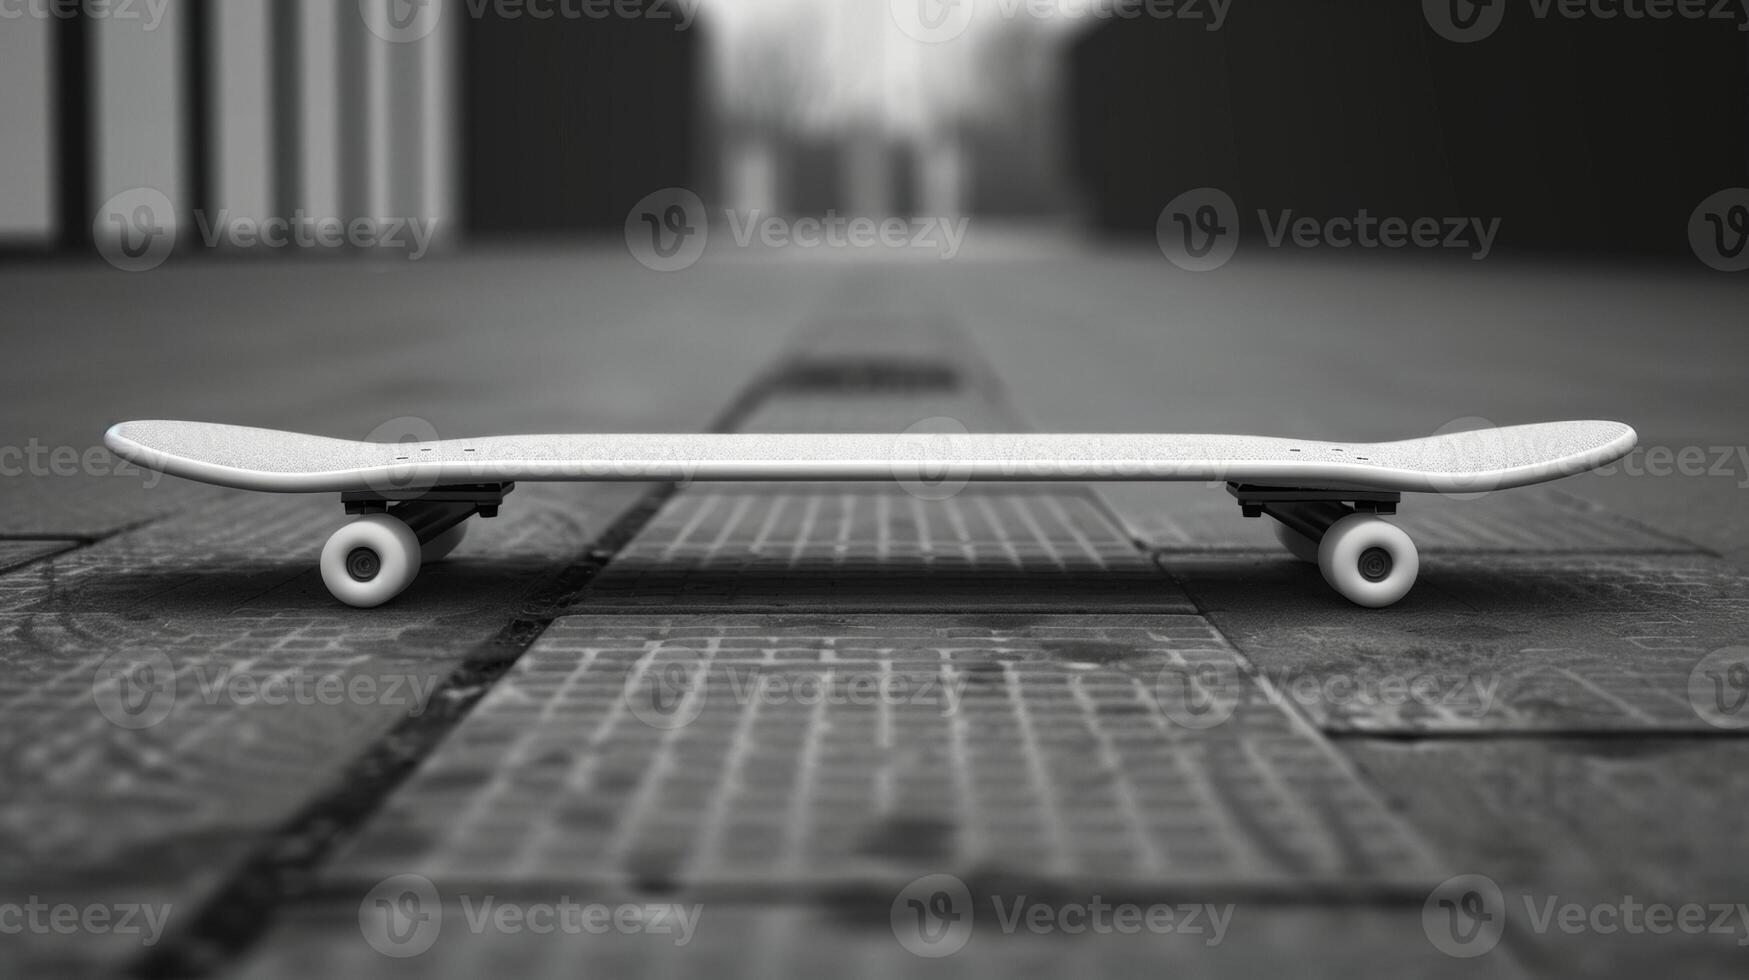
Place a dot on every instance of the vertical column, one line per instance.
(320, 166)
(868, 176)
(401, 111)
(438, 109)
(139, 171)
(242, 114)
(380, 57)
(27, 213)
(73, 93)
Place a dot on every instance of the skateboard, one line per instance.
(1329, 500)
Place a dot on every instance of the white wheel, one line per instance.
(1297, 544)
(370, 561)
(438, 548)
(1371, 562)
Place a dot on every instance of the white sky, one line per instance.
(820, 63)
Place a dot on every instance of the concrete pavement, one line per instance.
(644, 696)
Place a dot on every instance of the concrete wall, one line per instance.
(1582, 135)
(569, 123)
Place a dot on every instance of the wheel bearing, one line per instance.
(363, 564)
(1376, 564)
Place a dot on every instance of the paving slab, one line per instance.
(1610, 825)
(246, 551)
(89, 506)
(873, 548)
(790, 755)
(158, 701)
(174, 694)
(863, 941)
(1660, 817)
(154, 751)
(1555, 644)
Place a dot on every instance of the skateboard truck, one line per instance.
(1367, 559)
(1311, 512)
(485, 498)
(396, 533)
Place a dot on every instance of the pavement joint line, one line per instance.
(1540, 735)
(85, 540)
(586, 609)
(73, 542)
(1216, 551)
(342, 896)
(241, 910)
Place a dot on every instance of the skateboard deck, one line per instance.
(1327, 498)
(288, 462)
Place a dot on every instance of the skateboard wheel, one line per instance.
(439, 548)
(1372, 562)
(1300, 546)
(370, 561)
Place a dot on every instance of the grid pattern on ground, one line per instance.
(785, 546)
(156, 741)
(748, 752)
(1561, 643)
(149, 747)
(1528, 521)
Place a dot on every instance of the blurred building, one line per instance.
(1579, 134)
(251, 109)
